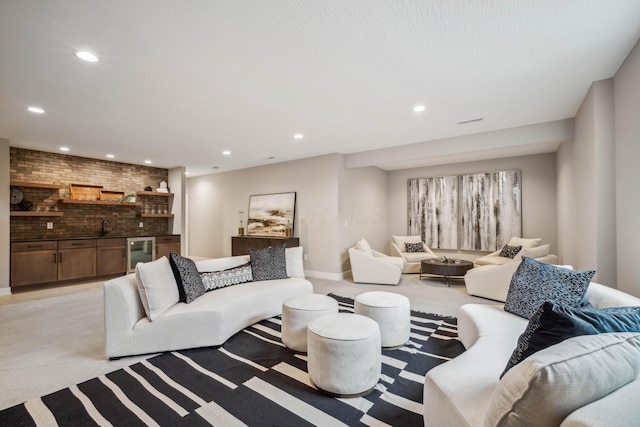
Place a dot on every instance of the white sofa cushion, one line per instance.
(157, 287)
(363, 246)
(548, 386)
(295, 266)
(525, 243)
(535, 252)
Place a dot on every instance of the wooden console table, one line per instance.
(240, 245)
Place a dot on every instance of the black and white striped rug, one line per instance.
(252, 380)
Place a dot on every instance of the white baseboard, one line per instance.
(324, 275)
(5, 291)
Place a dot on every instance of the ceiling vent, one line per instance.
(464, 122)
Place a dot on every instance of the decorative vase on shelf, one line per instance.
(241, 228)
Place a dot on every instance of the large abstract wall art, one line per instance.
(433, 211)
(490, 209)
(474, 212)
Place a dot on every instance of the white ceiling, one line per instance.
(178, 82)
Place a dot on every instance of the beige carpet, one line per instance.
(51, 340)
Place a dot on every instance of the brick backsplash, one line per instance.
(84, 220)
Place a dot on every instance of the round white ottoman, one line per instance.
(344, 354)
(392, 313)
(297, 312)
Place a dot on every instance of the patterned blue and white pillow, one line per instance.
(510, 251)
(554, 323)
(414, 247)
(232, 276)
(535, 282)
(187, 276)
(269, 263)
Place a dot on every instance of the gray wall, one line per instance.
(626, 89)
(214, 202)
(586, 188)
(5, 258)
(538, 193)
(363, 209)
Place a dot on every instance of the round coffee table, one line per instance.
(435, 267)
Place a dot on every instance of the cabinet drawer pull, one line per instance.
(77, 244)
(60, 257)
(34, 246)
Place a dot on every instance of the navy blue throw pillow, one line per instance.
(554, 323)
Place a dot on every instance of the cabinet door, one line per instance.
(33, 267)
(77, 259)
(167, 244)
(112, 256)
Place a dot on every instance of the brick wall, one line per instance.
(84, 220)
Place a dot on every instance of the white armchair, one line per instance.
(369, 266)
(529, 247)
(412, 259)
(493, 281)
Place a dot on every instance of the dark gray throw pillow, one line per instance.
(554, 323)
(187, 276)
(231, 276)
(510, 251)
(535, 282)
(268, 263)
(414, 247)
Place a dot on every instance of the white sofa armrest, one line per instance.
(122, 310)
(395, 250)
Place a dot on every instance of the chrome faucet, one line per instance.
(104, 227)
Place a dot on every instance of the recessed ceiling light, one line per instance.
(85, 55)
(271, 157)
(110, 156)
(64, 148)
(226, 152)
(419, 108)
(186, 173)
(298, 136)
(148, 162)
(215, 167)
(36, 110)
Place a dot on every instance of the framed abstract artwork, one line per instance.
(433, 211)
(490, 209)
(271, 214)
(473, 212)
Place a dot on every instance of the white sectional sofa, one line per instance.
(208, 321)
(459, 392)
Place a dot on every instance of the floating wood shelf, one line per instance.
(153, 193)
(99, 202)
(35, 213)
(35, 185)
(150, 215)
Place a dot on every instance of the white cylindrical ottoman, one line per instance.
(344, 354)
(392, 313)
(297, 312)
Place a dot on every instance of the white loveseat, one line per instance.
(459, 392)
(207, 321)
